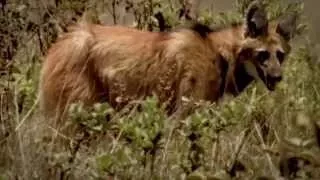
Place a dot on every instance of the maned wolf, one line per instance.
(115, 64)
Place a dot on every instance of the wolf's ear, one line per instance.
(256, 20)
(287, 26)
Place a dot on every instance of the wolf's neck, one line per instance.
(239, 80)
(228, 41)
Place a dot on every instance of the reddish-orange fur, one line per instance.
(95, 63)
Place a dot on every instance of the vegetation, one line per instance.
(258, 135)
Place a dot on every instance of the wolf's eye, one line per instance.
(263, 56)
(280, 56)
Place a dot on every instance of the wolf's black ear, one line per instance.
(287, 26)
(256, 20)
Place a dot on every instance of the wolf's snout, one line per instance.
(276, 78)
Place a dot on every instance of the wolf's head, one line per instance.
(266, 44)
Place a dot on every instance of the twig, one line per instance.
(17, 118)
(60, 134)
(316, 90)
(238, 150)
(271, 165)
(215, 150)
(165, 152)
(113, 13)
(2, 104)
(115, 141)
(28, 114)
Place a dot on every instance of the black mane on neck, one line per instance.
(202, 29)
(241, 80)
